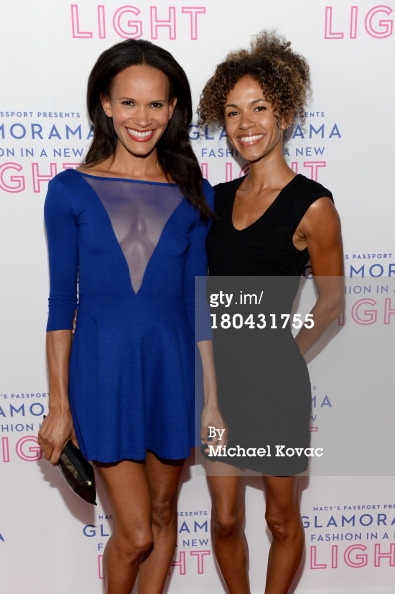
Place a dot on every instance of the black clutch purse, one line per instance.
(78, 472)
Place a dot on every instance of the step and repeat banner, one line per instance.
(51, 542)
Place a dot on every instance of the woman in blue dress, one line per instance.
(130, 226)
(269, 223)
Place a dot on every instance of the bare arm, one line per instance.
(320, 230)
(211, 415)
(57, 427)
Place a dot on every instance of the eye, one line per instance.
(232, 114)
(128, 102)
(260, 108)
(156, 105)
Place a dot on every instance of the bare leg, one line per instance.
(227, 526)
(285, 524)
(128, 490)
(163, 478)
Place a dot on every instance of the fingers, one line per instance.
(208, 435)
(49, 451)
(53, 435)
(203, 434)
(52, 455)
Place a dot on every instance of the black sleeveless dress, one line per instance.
(263, 382)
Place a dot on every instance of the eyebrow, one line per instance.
(251, 102)
(150, 101)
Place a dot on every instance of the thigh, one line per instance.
(127, 487)
(226, 487)
(163, 478)
(282, 494)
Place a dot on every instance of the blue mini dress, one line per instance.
(125, 253)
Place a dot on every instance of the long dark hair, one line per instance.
(175, 154)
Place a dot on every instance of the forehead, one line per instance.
(141, 79)
(246, 89)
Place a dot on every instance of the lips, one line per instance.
(247, 139)
(140, 135)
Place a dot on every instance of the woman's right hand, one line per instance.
(54, 432)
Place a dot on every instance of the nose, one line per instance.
(246, 121)
(141, 117)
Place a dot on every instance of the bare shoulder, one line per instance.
(92, 170)
(321, 215)
(321, 230)
(100, 169)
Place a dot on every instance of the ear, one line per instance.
(106, 104)
(172, 104)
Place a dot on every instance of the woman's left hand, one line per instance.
(213, 428)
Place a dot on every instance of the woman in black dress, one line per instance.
(269, 224)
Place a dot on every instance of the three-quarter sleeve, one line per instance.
(62, 236)
(196, 266)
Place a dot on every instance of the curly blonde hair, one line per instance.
(283, 75)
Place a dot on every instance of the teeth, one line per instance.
(139, 134)
(250, 138)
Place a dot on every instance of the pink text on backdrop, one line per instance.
(312, 168)
(125, 25)
(26, 448)
(365, 315)
(180, 562)
(228, 173)
(373, 23)
(13, 184)
(352, 558)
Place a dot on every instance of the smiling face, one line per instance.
(140, 108)
(253, 127)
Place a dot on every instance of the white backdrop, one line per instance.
(50, 541)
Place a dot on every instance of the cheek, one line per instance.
(119, 115)
(165, 118)
(230, 130)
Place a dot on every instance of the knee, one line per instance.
(284, 525)
(142, 543)
(225, 524)
(164, 513)
(133, 544)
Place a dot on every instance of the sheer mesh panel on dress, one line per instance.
(138, 211)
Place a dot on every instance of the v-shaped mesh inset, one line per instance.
(138, 211)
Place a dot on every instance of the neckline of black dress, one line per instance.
(275, 201)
